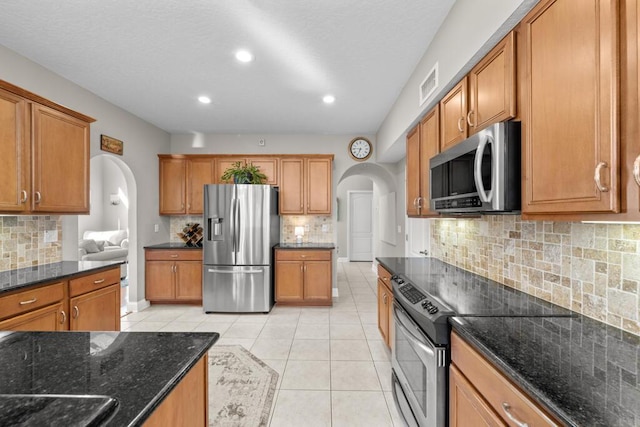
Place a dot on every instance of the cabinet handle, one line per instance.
(384, 299)
(97, 282)
(76, 312)
(469, 118)
(174, 255)
(38, 197)
(507, 410)
(181, 205)
(420, 202)
(596, 177)
(305, 268)
(25, 196)
(415, 203)
(303, 256)
(460, 121)
(30, 301)
(64, 317)
(636, 170)
(301, 268)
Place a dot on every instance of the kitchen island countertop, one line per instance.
(136, 369)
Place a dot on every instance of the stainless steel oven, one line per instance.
(419, 374)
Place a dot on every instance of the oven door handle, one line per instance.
(477, 170)
(404, 327)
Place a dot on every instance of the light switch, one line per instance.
(156, 227)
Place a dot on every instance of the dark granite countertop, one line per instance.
(24, 277)
(173, 245)
(308, 245)
(585, 372)
(137, 369)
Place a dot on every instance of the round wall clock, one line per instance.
(360, 149)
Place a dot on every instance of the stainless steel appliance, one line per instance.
(241, 228)
(479, 174)
(420, 358)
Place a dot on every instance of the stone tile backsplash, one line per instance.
(314, 231)
(593, 269)
(22, 241)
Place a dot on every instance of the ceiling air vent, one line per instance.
(429, 84)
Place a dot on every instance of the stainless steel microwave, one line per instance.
(480, 174)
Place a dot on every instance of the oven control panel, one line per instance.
(415, 296)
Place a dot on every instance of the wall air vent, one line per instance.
(429, 84)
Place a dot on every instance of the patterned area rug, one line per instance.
(241, 388)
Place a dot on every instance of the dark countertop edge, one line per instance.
(172, 245)
(295, 246)
(386, 267)
(61, 276)
(531, 390)
(168, 388)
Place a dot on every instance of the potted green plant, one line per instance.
(243, 174)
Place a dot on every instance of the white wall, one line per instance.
(470, 30)
(142, 143)
(114, 217)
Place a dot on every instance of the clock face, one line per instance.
(360, 148)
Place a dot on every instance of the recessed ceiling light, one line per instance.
(329, 99)
(204, 99)
(244, 56)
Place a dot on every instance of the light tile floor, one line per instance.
(334, 368)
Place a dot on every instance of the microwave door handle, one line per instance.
(477, 170)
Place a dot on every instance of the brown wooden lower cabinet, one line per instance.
(96, 311)
(385, 306)
(173, 276)
(479, 394)
(303, 277)
(187, 404)
(50, 318)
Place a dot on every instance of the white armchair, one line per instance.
(111, 245)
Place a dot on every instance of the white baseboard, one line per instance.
(334, 292)
(343, 259)
(138, 305)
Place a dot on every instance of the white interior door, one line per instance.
(417, 241)
(360, 225)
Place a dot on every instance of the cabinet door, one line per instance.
(269, 167)
(453, 116)
(224, 163)
(289, 280)
(50, 318)
(466, 405)
(96, 311)
(492, 90)
(60, 162)
(383, 311)
(317, 281)
(14, 163)
(571, 107)
(318, 194)
(199, 173)
(429, 147)
(413, 171)
(159, 280)
(291, 187)
(188, 280)
(172, 186)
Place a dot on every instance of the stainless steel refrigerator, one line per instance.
(241, 227)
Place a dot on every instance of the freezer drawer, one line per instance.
(246, 289)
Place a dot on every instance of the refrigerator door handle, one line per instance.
(253, 271)
(232, 226)
(236, 243)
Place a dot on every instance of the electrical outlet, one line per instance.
(261, 142)
(325, 228)
(50, 236)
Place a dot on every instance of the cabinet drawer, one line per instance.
(173, 254)
(384, 275)
(305, 255)
(91, 282)
(495, 387)
(31, 299)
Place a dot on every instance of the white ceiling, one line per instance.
(153, 58)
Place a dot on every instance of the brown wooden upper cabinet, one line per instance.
(45, 162)
(422, 143)
(181, 183)
(453, 112)
(266, 165)
(570, 121)
(485, 96)
(306, 185)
